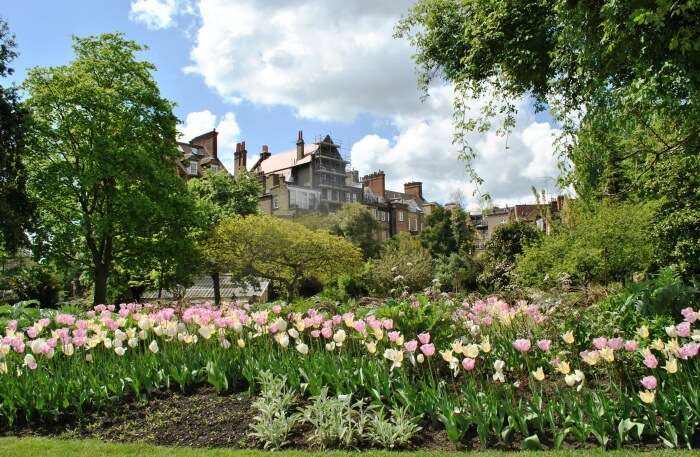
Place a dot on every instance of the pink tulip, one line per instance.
(522, 345)
(424, 338)
(327, 332)
(650, 361)
(360, 326)
(683, 329)
(615, 343)
(688, 351)
(315, 333)
(428, 349)
(689, 315)
(600, 342)
(411, 346)
(468, 363)
(544, 345)
(277, 309)
(649, 382)
(388, 324)
(32, 332)
(393, 336)
(631, 345)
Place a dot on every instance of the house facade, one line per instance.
(200, 154)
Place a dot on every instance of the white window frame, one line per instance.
(400, 216)
(193, 167)
(275, 202)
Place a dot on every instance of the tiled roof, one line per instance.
(203, 289)
(286, 159)
(393, 195)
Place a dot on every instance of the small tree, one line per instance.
(219, 195)
(356, 223)
(282, 251)
(448, 232)
(506, 243)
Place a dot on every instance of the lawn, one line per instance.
(40, 447)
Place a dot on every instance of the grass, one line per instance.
(47, 447)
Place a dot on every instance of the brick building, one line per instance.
(199, 155)
(311, 178)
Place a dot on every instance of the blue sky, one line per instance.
(268, 68)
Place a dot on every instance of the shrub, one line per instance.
(38, 282)
(336, 421)
(604, 244)
(272, 424)
(356, 223)
(395, 432)
(404, 265)
(457, 272)
(506, 243)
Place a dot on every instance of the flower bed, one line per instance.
(486, 369)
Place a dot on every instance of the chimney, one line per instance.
(300, 145)
(375, 182)
(265, 153)
(414, 189)
(240, 157)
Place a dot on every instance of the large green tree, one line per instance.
(621, 77)
(448, 231)
(101, 159)
(356, 223)
(15, 206)
(219, 195)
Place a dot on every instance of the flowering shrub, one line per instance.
(490, 367)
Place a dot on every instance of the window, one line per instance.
(354, 198)
(193, 168)
(214, 168)
(275, 202)
(400, 216)
(324, 194)
(383, 216)
(347, 196)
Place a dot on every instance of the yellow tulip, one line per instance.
(607, 354)
(538, 374)
(643, 331)
(647, 396)
(671, 366)
(568, 337)
(564, 368)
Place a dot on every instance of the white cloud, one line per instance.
(327, 59)
(332, 60)
(155, 14)
(423, 151)
(199, 122)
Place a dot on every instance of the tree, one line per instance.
(621, 78)
(101, 159)
(502, 250)
(448, 232)
(218, 196)
(15, 206)
(356, 223)
(279, 250)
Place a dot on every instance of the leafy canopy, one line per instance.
(356, 223)
(100, 159)
(260, 246)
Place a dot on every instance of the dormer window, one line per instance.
(193, 168)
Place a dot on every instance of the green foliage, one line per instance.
(621, 78)
(273, 423)
(447, 232)
(100, 162)
(393, 433)
(336, 421)
(356, 223)
(458, 273)
(37, 282)
(404, 265)
(506, 243)
(281, 251)
(15, 206)
(607, 243)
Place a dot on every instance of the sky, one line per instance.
(260, 70)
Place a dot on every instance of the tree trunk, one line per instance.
(217, 287)
(101, 275)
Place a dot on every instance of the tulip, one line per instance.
(372, 347)
(339, 337)
(330, 346)
(648, 382)
(650, 361)
(153, 347)
(302, 348)
(428, 349)
(485, 345)
(411, 346)
(689, 315)
(643, 331)
(468, 363)
(647, 396)
(424, 338)
(241, 343)
(522, 345)
(631, 345)
(120, 351)
(671, 366)
(600, 342)
(683, 329)
(538, 374)
(568, 337)
(544, 345)
(563, 367)
(607, 354)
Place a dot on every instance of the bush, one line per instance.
(404, 265)
(607, 243)
(506, 243)
(38, 282)
(457, 273)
